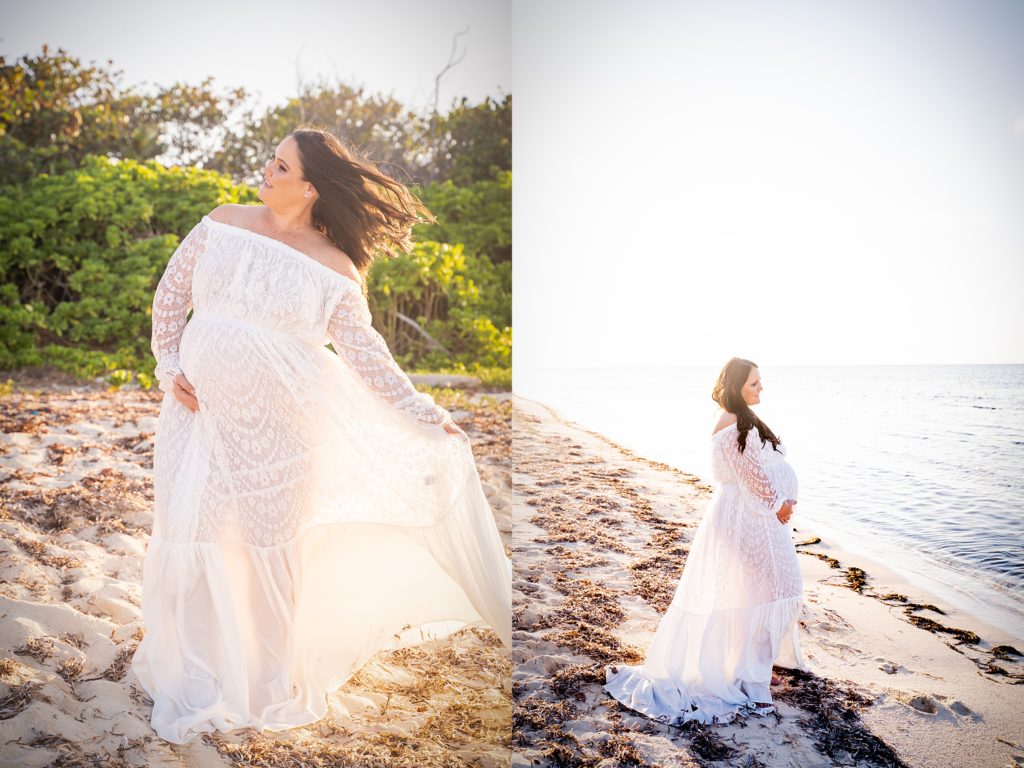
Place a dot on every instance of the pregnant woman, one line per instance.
(311, 508)
(735, 610)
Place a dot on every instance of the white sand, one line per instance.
(75, 512)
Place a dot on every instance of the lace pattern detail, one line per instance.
(748, 469)
(172, 302)
(358, 343)
(279, 414)
(281, 500)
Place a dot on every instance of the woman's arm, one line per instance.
(359, 344)
(171, 304)
(749, 471)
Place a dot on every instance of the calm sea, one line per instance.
(919, 467)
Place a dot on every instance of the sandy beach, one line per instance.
(75, 511)
(600, 538)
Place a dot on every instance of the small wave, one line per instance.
(985, 407)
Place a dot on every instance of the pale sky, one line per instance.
(796, 182)
(392, 47)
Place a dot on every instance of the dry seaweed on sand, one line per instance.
(705, 741)
(832, 562)
(561, 749)
(599, 644)
(618, 746)
(39, 648)
(535, 713)
(834, 720)
(586, 601)
(1004, 652)
(962, 635)
(571, 680)
(577, 558)
(18, 697)
(655, 578)
(71, 669)
(856, 578)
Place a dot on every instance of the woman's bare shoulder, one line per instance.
(330, 255)
(725, 419)
(234, 214)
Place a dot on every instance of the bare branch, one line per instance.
(450, 65)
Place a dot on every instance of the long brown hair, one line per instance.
(728, 393)
(361, 210)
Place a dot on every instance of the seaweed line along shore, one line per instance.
(600, 536)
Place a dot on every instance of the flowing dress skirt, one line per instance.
(733, 615)
(301, 525)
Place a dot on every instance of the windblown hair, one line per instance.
(728, 394)
(361, 210)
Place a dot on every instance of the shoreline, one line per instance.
(600, 538)
(876, 569)
(888, 499)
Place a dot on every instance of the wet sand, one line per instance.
(75, 511)
(600, 539)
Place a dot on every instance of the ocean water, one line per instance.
(918, 467)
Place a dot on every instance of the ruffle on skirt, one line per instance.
(712, 667)
(245, 636)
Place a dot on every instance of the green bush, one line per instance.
(478, 215)
(81, 254)
(461, 300)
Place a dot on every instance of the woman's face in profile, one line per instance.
(283, 175)
(751, 390)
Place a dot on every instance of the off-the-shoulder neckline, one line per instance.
(727, 426)
(284, 247)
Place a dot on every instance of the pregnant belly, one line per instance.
(229, 361)
(783, 478)
(244, 373)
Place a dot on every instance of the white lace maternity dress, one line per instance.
(735, 609)
(312, 512)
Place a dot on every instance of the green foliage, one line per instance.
(478, 215)
(461, 300)
(80, 256)
(54, 113)
(477, 141)
(468, 144)
(88, 220)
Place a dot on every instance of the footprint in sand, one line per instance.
(958, 707)
(961, 709)
(890, 667)
(925, 704)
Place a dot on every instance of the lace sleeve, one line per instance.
(750, 473)
(364, 349)
(171, 304)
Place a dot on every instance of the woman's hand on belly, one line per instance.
(786, 512)
(185, 393)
